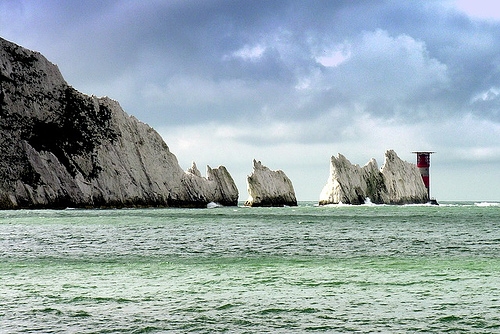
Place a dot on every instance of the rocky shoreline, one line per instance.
(61, 148)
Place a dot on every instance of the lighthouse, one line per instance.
(423, 164)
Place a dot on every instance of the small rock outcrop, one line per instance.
(61, 148)
(269, 188)
(218, 186)
(397, 182)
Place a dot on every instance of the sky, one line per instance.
(290, 83)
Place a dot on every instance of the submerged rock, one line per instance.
(61, 148)
(397, 182)
(269, 188)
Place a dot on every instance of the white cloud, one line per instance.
(480, 9)
(335, 57)
(394, 68)
(374, 72)
(488, 95)
(247, 52)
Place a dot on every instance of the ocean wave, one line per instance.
(213, 205)
(487, 204)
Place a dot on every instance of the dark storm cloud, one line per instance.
(408, 60)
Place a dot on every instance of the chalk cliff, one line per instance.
(61, 148)
(397, 182)
(269, 188)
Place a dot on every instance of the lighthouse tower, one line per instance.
(423, 164)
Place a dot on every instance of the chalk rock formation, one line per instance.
(403, 181)
(397, 182)
(61, 148)
(217, 187)
(269, 188)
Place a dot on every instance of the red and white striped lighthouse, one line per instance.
(423, 164)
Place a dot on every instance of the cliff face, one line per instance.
(269, 188)
(61, 148)
(397, 182)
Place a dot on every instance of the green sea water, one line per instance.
(305, 269)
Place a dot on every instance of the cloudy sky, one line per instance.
(290, 83)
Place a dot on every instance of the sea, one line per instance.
(304, 269)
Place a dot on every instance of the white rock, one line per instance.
(403, 181)
(397, 182)
(269, 188)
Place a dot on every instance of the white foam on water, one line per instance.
(487, 204)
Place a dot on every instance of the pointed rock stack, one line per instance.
(269, 188)
(397, 182)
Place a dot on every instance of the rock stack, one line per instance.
(269, 188)
(397, 182)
